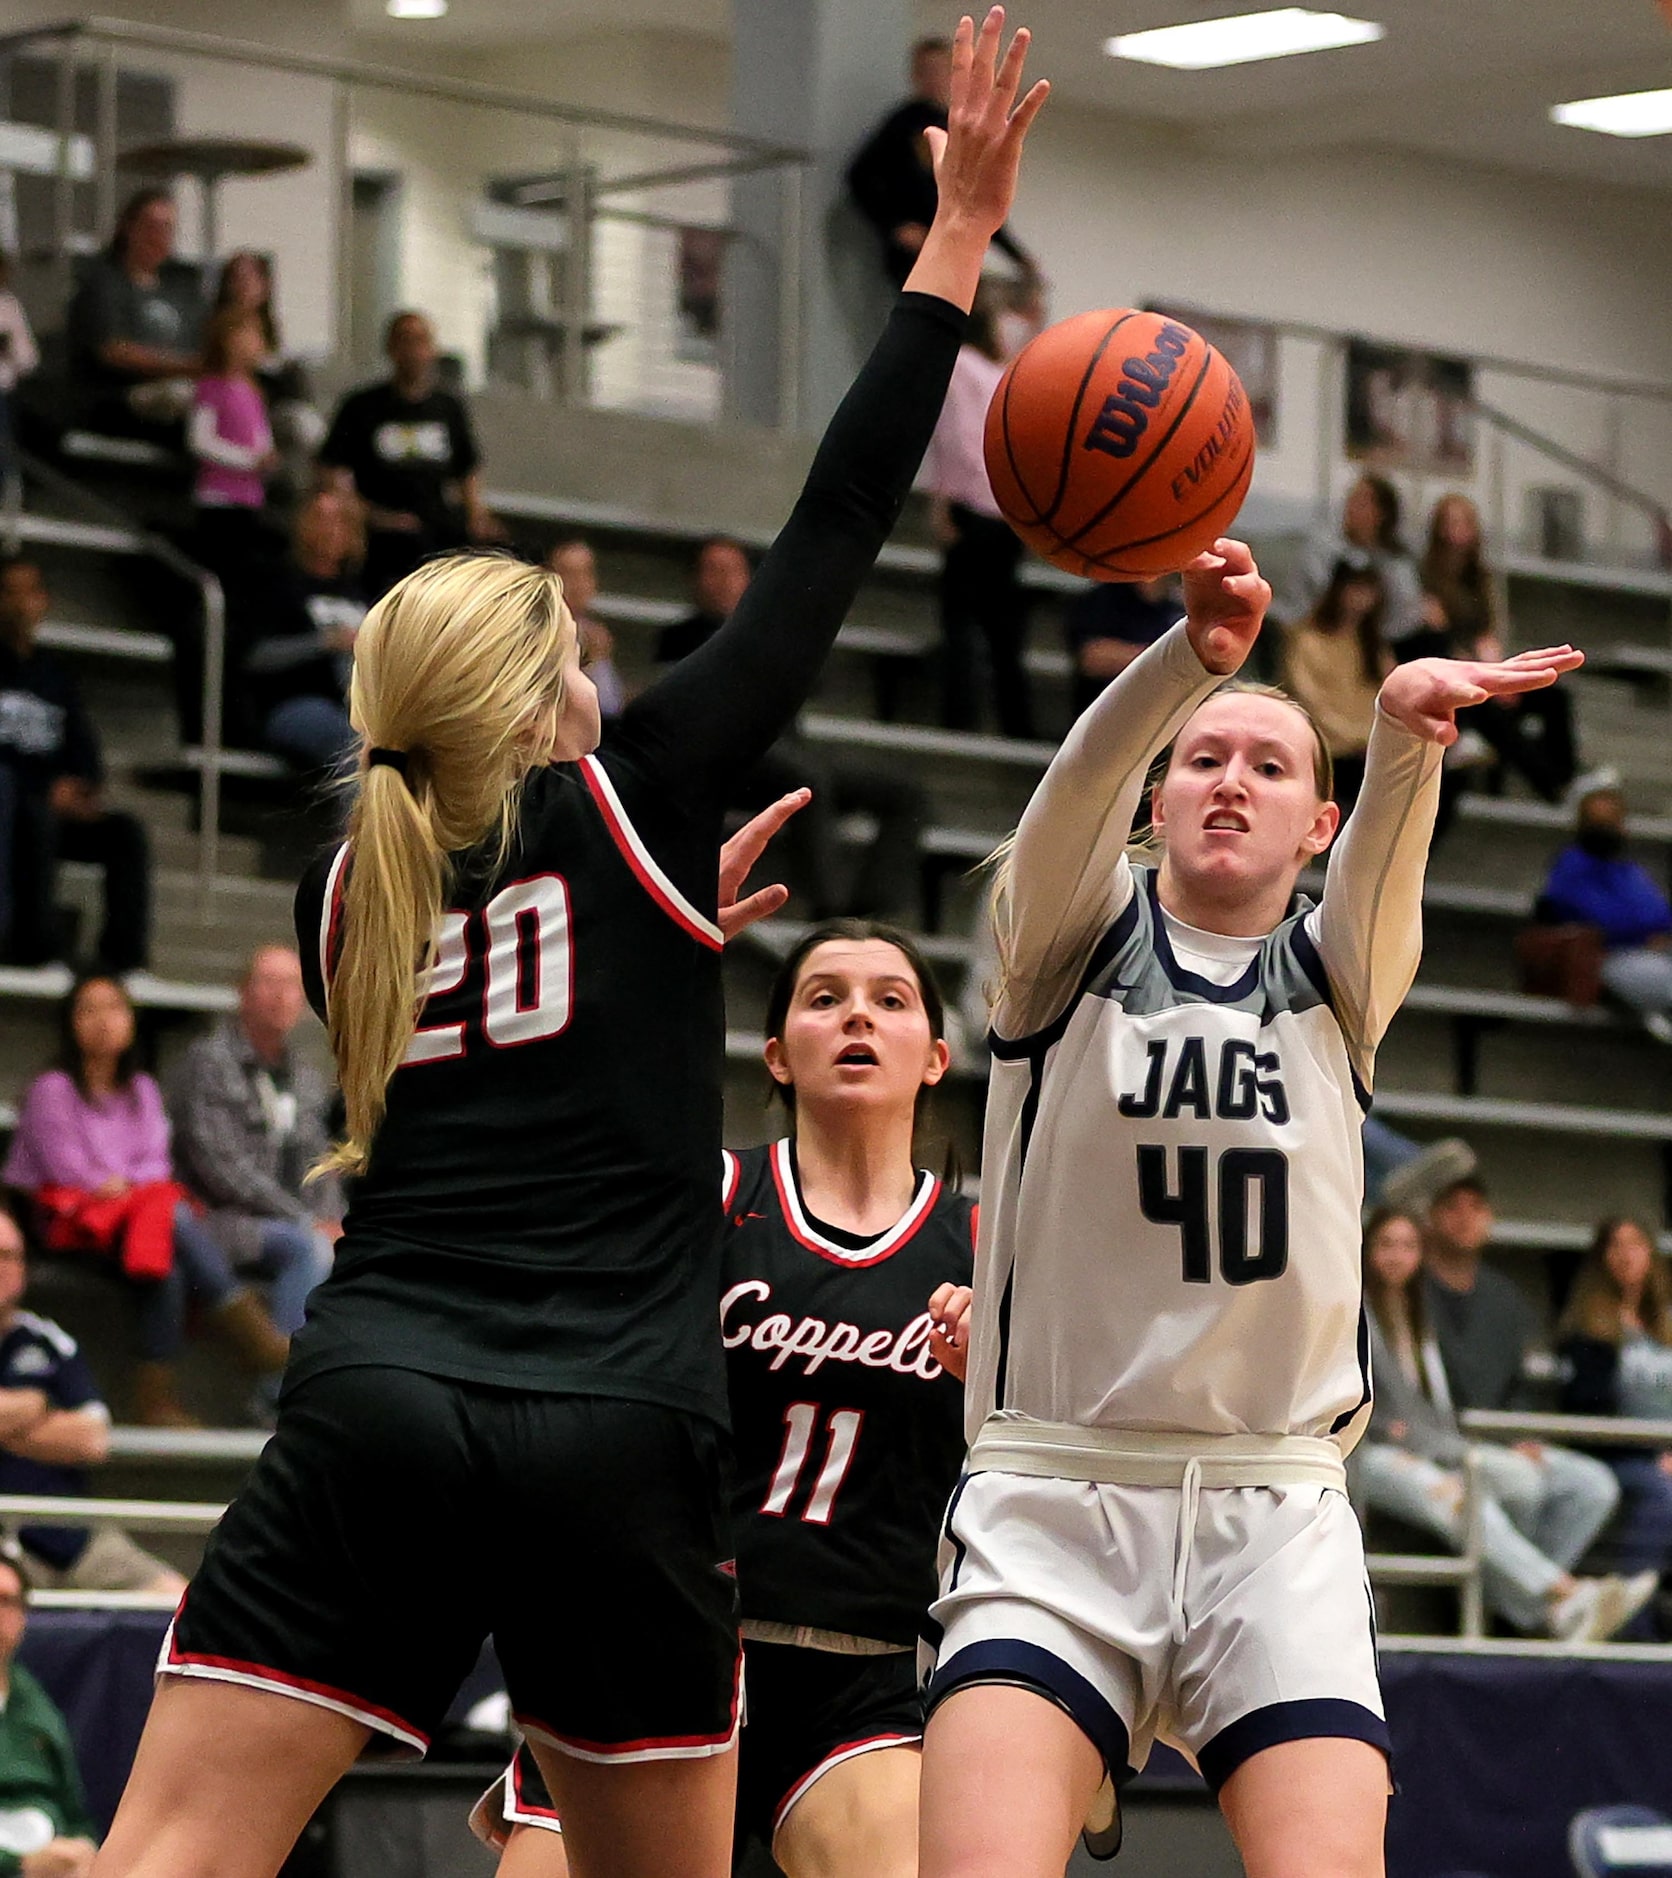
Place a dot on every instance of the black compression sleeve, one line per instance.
(717, 712)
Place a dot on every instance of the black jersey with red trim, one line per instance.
(538, 1211)
(848, 1434)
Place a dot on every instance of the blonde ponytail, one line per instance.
(458, 675)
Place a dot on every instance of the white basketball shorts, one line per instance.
(1255, 1628)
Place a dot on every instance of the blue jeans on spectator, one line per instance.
(200, 1270)
(1642, 1537)
(1640, 976)
(312, 733)
(294, 1258)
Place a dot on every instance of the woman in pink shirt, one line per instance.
(981, 597)
(92, 1151)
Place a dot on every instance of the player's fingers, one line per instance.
(1207, 562)
(939, 1299)
(1009, 78)
(1237, 556)
(761, 904)
(985, 56)
(750, 840)
(1021, 119)
(935, 137)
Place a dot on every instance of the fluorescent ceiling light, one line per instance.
(1632, 114)
(1243, 38)
(415, 9)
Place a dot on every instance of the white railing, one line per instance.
(586, 256)
(1463, 1569)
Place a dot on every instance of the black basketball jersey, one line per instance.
(849, 1435)
(538, 1210)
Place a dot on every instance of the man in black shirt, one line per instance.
(406, 447)
(51, 807)
(885, 882)
(1109, 624)
(892, 180)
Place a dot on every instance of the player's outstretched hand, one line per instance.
(976, 157)
(949, 1328)
(741, 853)
(1426, 695)
(1225, 601)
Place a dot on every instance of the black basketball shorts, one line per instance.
(807, 1711)
(396, 1519)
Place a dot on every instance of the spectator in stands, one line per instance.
(1110, 623)
(53, 1427)
(1410, 1463)
(1462, 601)
(52, 804)
(1617, 1341)
(406, 447)
(18, 358)
(1485, 1329)
(249, 1122)
(1594, 882)
(301, 654)
(297, 670)
(45, 1827)
(246, 283)
(571, 559)
(232, 441)
(886, 879)
(892, 180)
(91, 1150)
(135, 325)
(1334, 660)
(1369, 529)
(982, 600)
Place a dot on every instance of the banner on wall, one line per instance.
(1409, 410)
(1250, 347)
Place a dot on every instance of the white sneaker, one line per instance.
(1573, 1617)
(1618, 1602)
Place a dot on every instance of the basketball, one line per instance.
(1119, 445)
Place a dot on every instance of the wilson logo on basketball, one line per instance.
(1120, 424)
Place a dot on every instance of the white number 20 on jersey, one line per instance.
(529, 971)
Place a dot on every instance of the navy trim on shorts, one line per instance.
(1320, 1717)
(1009, 1660)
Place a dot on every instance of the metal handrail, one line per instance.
(1610, 1431)
(760, 152)
(213, 600)
(54, 1509)
(187, 1446)
(1463, 1569)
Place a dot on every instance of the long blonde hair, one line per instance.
(1146, 843)
(459, 670)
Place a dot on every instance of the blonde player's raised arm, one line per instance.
(1369, 926)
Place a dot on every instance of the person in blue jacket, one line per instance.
(1594, 882)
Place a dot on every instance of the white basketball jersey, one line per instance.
(1171, 1183)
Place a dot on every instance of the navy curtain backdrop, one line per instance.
(1494, 1755)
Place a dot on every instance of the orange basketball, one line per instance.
(1119, 445)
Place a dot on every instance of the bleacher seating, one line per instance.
(1573, 1109)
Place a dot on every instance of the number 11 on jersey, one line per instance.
(800, 1421)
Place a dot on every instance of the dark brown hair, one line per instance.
(264, 312)
(1387, 512)
(1377, 1295)
(858, 931)
(1593, 1307)
(1327, 614)
(70, 1059)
